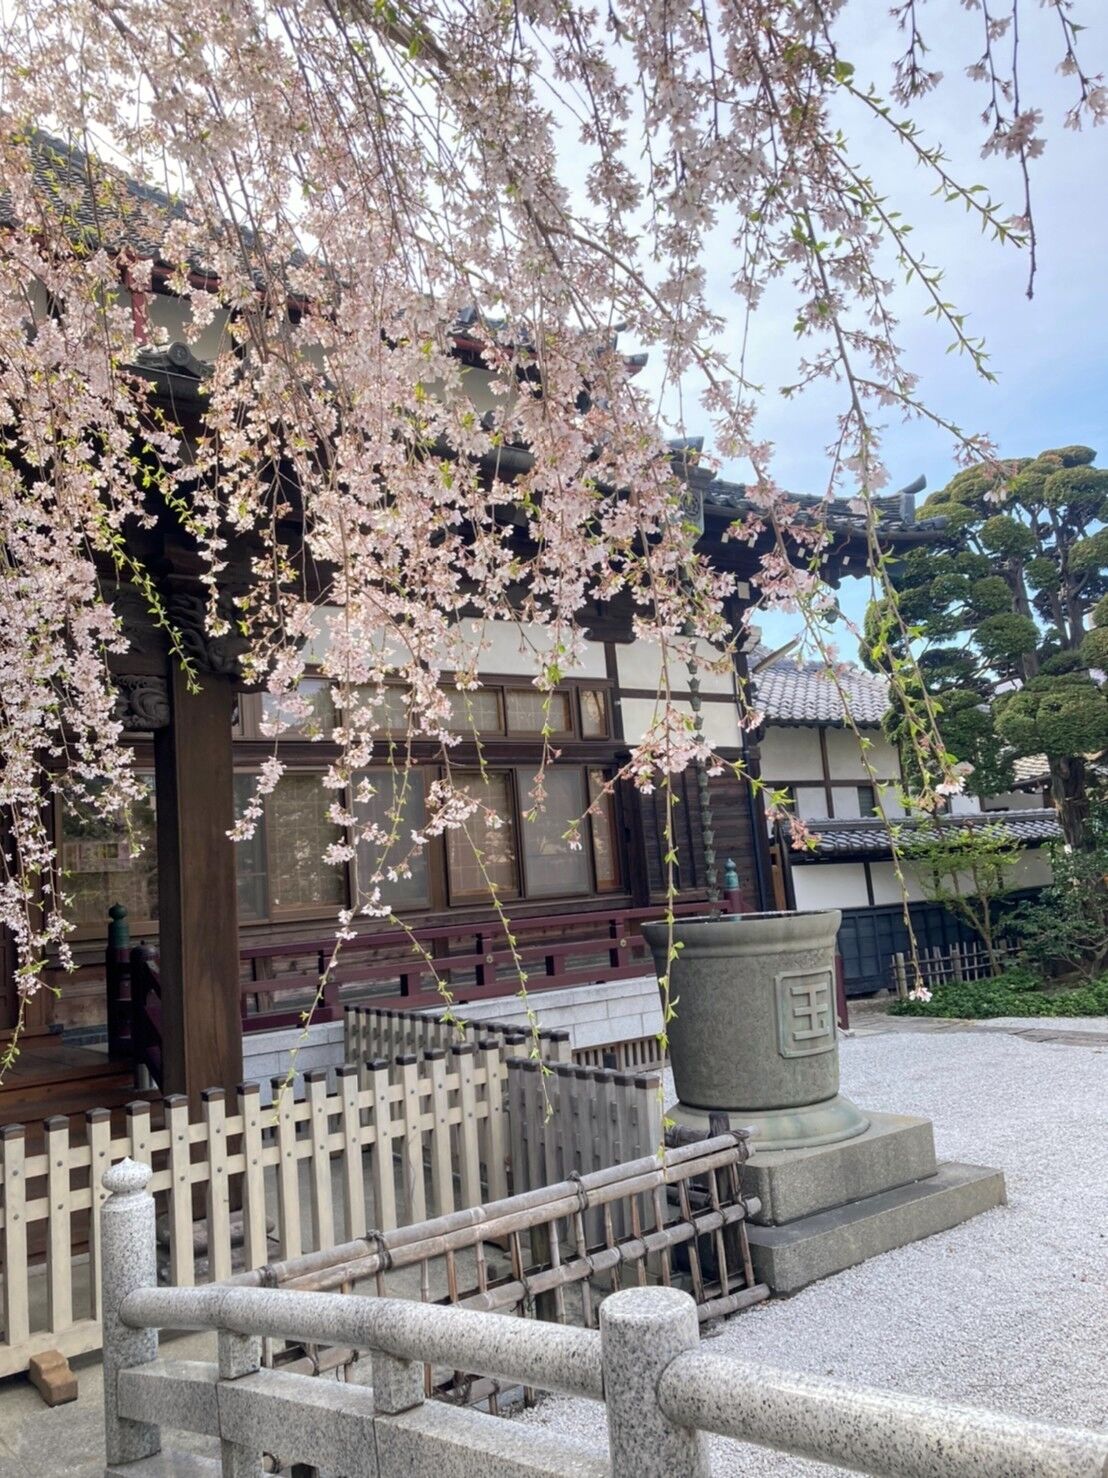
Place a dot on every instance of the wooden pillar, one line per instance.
(198, 923)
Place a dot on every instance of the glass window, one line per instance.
(107, 861)
(319, 721)
(530, 712)
(552, 865)
(594, 713)
(604, 850)
(477, 709)
(867, 801)
(251, 872)
(398, 808)
(482, 852)
(298, 834)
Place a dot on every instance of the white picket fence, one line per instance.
(391, 1144)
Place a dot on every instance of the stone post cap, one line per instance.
(128, 1178)
(646, 1306)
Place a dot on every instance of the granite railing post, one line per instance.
(641, 1331)
(129, 1263)
(239, 1355)
(397, 1384)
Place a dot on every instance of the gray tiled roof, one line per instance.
(1031, 769)
(801, 693)
(869, 838)
(895, 513)
(95, 201)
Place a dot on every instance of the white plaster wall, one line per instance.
(811, 802)
(845, 760)
(830, 885)
(721, 720)
(886, 887)
(791, 754)
(506, 647)
(847, 805)
(639, 665)
(171, 318)
(889, 796)
(1015, 800)
(964, 805)
(1032, 869)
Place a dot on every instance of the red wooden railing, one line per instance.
(473, 960)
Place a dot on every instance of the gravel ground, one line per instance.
(1009, 1311)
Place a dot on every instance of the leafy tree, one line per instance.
(967, 869)
(1066, 928)
(1009, 619)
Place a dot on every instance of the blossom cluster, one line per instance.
(403, 239)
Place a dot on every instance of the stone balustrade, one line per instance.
(662, 1392)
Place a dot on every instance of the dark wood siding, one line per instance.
(730, 803)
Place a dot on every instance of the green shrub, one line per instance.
(1015, 993)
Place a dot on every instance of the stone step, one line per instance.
(895, 1150)
(168, 1464)
(790, 1257)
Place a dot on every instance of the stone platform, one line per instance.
(791, 1256)
(826, 1208)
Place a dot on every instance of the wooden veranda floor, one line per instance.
(50, 1077)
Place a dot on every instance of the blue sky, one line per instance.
(1050, 354)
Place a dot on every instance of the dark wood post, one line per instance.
(117, 977)
(198, 923)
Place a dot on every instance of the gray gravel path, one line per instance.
(1009, 1311)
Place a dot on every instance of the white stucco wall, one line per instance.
(639, 664)
(830, 885)
(720, 720)
(811, 802)
(506, 647)
(846, 761)
(791, 754)
(886, 887)
(1015, 800)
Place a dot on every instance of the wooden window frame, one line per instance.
(85, 932)
(305, 911)
(455, 898)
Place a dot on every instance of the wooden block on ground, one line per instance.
(52, 1378)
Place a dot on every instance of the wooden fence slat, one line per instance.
(59, 1256)
(288, 1174)
(16, 1302)
(213, 1102)
(323, 1213)
(469, 1156)
(138, 1132)
(98, 1133)
(384, 1183)
(517, 1129)
(442, 1164)
(412, 1147)
(255, 1240)
(182, 1261)
(496, 1174)
(352, 1164)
